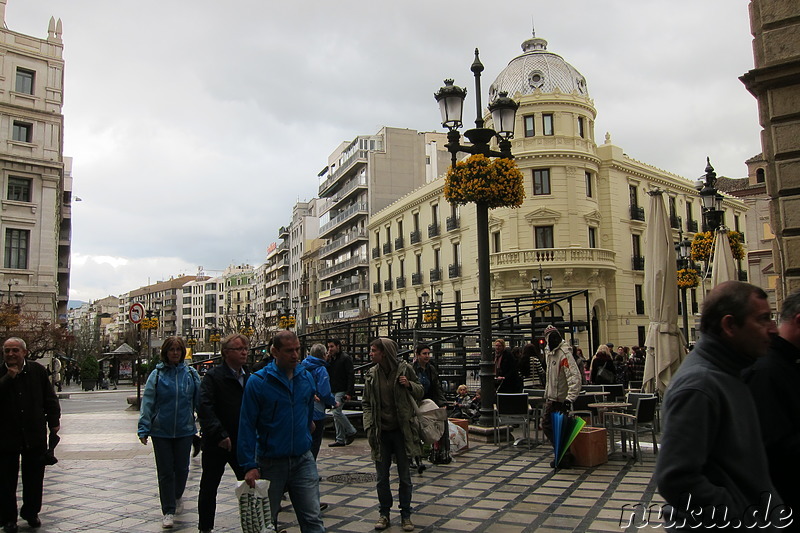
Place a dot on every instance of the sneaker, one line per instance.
(168, 521)
(179, 506)
(407, 524)
(382, 523)
(336, 444)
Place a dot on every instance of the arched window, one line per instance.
(760, 175)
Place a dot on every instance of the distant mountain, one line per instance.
(74, 304)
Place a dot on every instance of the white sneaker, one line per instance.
(179, 506)
(168, 521)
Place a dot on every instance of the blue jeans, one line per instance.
(393, 443)
(299, 476)
(344, 428)
(172, 466)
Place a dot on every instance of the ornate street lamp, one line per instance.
(684, 252)
(711, 199)
(503, 109)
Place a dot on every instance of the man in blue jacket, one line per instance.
(275, 432)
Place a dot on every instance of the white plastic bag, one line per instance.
(458, 437)
(254, 510)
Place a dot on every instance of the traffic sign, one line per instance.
(136, 312)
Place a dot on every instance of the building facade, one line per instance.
(362, 177)
(582, 222)
(35, 222)
(775, 82)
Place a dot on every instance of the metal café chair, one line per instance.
(512, 408)
(536, 401)
(642, 420)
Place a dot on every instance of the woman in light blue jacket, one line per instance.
(170, 398)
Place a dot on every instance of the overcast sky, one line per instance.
(195, 125)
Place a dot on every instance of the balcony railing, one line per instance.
(433, 230)
(639, 307)
(400, 282)
(416, 278)
(415, 236)
(637, 213)
(586, 257)
(436, 275)
(343, 216)
(344, 265)
(637, 262)
(452, 223)
(691, 226)
(453, 271)
(387, 284)
(387, 248)
(398, 243)
(358, 155)
(376, 287)
(376, 252)
(675, 221)
(342, 241)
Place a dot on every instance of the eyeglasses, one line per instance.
(240, 349)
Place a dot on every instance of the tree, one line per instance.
(41, 337)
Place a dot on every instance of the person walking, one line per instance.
(170, 398)
(316, 364)
(563, 384)
(275, 429)
(506, 369)
(30, 407)
(221, 394)
(710, 469)
(428, 376)
(342, 374)
(390, 387)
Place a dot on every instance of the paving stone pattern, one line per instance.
(105, 481)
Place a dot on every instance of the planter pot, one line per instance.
(88, 384)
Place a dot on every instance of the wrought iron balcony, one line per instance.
(387, 285)
(640, 307)
(454, 271)
(691, 226)
(452, 223)
(742, 275)
(675, 221)
(376, 287)
(436, 275)
(415, 237)
(416, 278)
(400, 282)
(637, 213)
(398, 243)
(376, 252)
(637, 262)
(387, 248)
(433, 230)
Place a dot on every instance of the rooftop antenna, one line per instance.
(533, 28)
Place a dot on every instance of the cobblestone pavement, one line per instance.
(105, 481)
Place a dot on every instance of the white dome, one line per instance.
(538, 69)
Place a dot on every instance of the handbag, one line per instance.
(606, 376)
(254, 509)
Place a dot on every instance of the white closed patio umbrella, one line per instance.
(664, 341)
(723, 266)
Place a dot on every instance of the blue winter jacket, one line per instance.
(276, 415)
(170, 398)
(319, 369)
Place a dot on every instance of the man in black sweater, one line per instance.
(218, 413)
(710, 469)
(340, 368)
(774, 381)
(30, 406)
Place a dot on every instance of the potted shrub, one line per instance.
(90, 368)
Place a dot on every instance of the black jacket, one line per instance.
(342, 374)
(773, 380)
(434, 391)
(30, 406)
(220, 404)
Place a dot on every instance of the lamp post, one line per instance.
(214, 338)
(503, 110)
(149, 323)
(684, 249)
(711, 199)
(540, 288)
(433, 308)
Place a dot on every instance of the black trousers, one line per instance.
(214, 460)
(32, 482)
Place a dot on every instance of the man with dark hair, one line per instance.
(774, 381)
(275, 432)
(30, 406)
(710, 469)
(340, 368)
(218, 413)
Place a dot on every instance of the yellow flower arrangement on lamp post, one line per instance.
(498, 182)
(688, 278)
(703, 243)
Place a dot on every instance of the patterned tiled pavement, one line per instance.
(105, 481)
